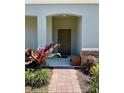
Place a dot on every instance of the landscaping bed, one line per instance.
(89, 83)
(89, 78)
(37, 81)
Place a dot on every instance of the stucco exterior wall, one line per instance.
(90, 23)
(31, 32)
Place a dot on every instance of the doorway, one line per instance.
(64, 39)
(58, 26)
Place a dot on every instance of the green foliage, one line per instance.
(94, 85)
(94, 70)
(38, 78)
(94, 80)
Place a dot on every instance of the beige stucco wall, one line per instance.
(31, 32)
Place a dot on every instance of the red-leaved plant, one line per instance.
(42, 54)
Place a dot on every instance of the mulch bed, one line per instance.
(43, 89)
(83, 81)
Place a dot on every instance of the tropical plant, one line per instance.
(94, 80)
(94, 70)
(33, 59)
(46, 52)
(38, 78)
(90, 61)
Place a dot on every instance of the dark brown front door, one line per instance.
(64, 39)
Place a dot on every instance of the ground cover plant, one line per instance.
(38, 79)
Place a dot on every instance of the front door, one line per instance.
(64, 39)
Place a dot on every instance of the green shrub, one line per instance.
(38, 78)
(94, 70)
(28, 77)
(94, 85)
(94, 80)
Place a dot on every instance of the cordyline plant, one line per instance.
(46, 52)
(34, 59)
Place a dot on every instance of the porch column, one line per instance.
(49, 29)
(41, 31)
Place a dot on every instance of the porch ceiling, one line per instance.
(65, 16)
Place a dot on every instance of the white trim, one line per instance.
(90, 49)
(61, 1)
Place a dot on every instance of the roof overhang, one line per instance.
(61, 1)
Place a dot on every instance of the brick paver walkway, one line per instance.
(64, 81)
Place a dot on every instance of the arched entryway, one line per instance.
(65, 29)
